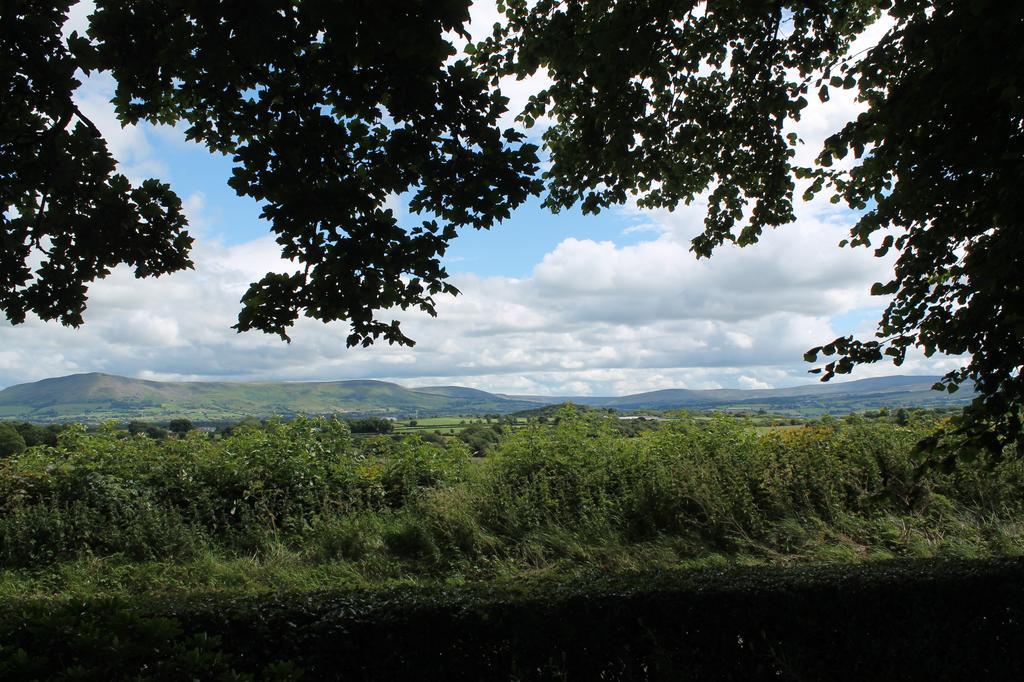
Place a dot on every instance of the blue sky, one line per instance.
(513, 248)
(552, 303)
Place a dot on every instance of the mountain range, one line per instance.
(96, 397)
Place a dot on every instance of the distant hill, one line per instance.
(837, 397)
(460, 392)
(96, 397)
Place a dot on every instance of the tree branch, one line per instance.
(85, 119)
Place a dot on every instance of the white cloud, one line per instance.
(751, 382)
(593, 318)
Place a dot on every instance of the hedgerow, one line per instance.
(546, 492)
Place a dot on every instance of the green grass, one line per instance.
(555, 552)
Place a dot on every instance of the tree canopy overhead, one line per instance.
(329, 108)
(669, 100)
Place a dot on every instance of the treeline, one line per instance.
(17, 436)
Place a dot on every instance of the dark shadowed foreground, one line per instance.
(895, 620)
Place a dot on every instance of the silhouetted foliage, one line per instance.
(61, 197)
(668, 104)
(360, 101)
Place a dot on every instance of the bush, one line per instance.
(407, 538)
(349, 537)
(723, 481)
(109, 492)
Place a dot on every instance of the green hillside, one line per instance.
(97, 397)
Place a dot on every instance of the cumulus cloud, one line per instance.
(599, 329)
(751, 382)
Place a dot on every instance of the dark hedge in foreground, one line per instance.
(898, 620)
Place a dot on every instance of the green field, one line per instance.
(444, 425)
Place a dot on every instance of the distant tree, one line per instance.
(156, 433)
(136, 427)
(245, 423)
(35, 434)
(902, 417)
(413, 422)
(11, 442)
(480, 438)
(431, 437)
(180, 426)
(371, 425)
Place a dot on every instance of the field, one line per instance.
(130, 527)
(450, 425)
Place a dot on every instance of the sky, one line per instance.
(551, 304)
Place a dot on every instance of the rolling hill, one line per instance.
(96, 397)
(862, 394)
